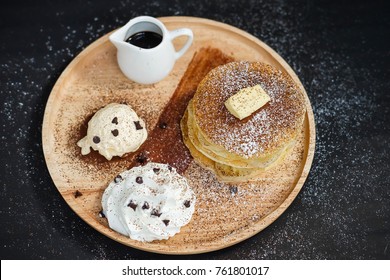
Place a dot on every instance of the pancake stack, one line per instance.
(240, 150)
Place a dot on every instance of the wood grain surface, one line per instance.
(225, 214)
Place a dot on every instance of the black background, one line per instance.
(339, 49)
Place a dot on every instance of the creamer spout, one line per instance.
(118, 38)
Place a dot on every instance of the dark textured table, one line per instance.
(339, 49)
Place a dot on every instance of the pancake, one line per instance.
(239, 150)
(225, 173)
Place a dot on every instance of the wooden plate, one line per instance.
(222, 217)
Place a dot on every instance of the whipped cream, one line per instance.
(114, 131)
(150, 202)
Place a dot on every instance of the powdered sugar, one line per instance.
(268, 128)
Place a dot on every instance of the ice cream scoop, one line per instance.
(114, 130)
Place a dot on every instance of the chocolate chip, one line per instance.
(187, 203)
(96, 139)
(139, 180)
(132, 205)
(156, 170)
(101, 214)
(170, 168)
(138, 125)
(145, 206)
(118, 179)
(155, 212)
(142, 158)
(77, 194)
(166, 222)
(163, 125)
(233, 190)
(115, 120)
(115, 132)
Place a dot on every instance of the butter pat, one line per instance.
(247, 101)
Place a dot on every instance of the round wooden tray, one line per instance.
(222, 217)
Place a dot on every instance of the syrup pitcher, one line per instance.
(145, 52)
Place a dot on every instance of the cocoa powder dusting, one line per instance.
(164, 143)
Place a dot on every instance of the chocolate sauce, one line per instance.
(145, 39)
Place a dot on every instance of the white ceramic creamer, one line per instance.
(148, 65)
